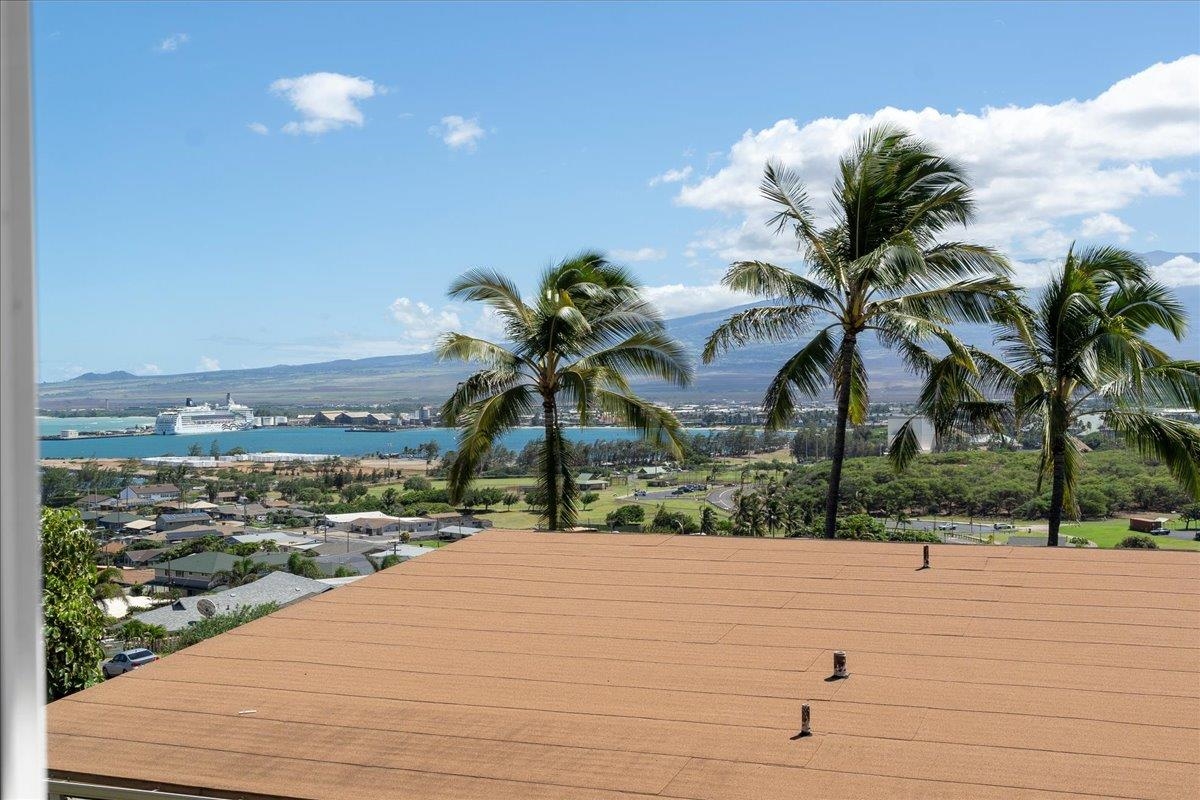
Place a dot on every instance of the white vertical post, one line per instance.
(22, 714)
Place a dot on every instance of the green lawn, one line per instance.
(1108, 532)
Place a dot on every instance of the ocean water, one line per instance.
(333, 441)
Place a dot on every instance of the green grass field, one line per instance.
(1108, 532)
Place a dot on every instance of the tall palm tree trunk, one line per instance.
(1058, 454)
(552, 466)
(845, 363)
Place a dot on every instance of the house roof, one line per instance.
(139, 524)
(210, 563)
(155, 488)
(145, 555)
(609, 667)
(118, 518)
(279, 537)
(135, 577)
(375, 522)
(354, 516)
(187, 516)
(274, 587)
(460, 530)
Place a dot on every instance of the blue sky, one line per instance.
(228, 184)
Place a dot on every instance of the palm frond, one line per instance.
(807, 373)
(494, 289)
(904, 446)
(656, 425)
(483, 424)
(1174, 442)
(760, 324)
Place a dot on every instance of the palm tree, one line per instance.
(1083, 346)
(578, 341)
(877, 267)
(244, 570)
(107, 586)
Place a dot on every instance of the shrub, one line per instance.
(912, 536)
(1078, 541)
(1138, 541)
(631, 514)
(673, 522)
(73, 624)
(860, 527)
(417, 484)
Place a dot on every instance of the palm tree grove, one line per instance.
(887, 255)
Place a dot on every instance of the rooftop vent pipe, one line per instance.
(839, 665)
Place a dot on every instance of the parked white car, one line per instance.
(947, 526)
(127, 661)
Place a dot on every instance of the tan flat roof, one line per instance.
(601, 666)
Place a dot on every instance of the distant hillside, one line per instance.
(742, 375)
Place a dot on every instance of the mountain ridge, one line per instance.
(420, 377)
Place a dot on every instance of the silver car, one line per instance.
(127, 661)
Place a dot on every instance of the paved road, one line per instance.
(723, 497)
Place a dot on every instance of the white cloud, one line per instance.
(678, 300)
(172, 43)
(420, 323)
(671, 176)
(259, 128)
(640, 254)
(208, 364)
(326, 101)
(150, 369)
(1179, 271)
(459, 133)
(1105, 224)
(1039, 171)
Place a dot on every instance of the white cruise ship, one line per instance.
(204, 418)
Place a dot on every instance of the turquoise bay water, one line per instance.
(333, 441)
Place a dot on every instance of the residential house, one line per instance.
(417, 526)
(242, 512)
(375, 526)
(651, 472)
(139, 558)
(189, 532)
(93, 501)
(444, 518)
(108, 552)
(281, 538)
(343, 520)
(458, 531)
(134, 577)
(356, 561)
(198, 571)
(402, 551)
(587, 482)
(116, 520)
(169, 522)
(138, 526)
(281, 588)
(148, 494)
